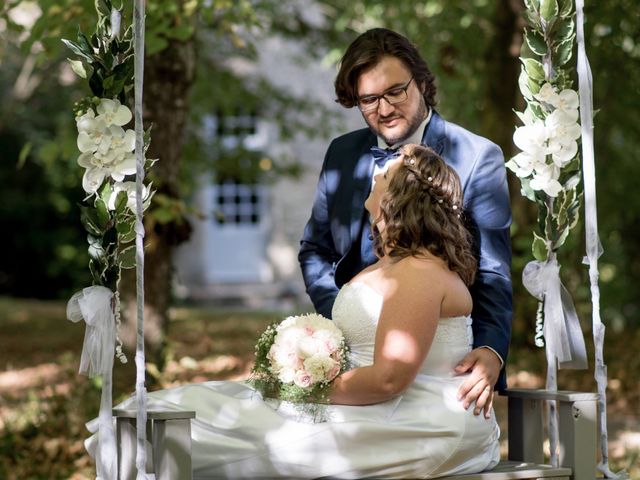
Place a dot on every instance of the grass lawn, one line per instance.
(44, 403)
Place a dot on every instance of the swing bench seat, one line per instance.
(170, 438)
(577, 437)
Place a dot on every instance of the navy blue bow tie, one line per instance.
(382, 155)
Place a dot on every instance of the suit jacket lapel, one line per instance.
(434, 135)
(362, 176)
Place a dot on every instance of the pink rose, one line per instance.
(302, 379)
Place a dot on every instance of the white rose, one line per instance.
(319, 367)
(307, 347)
(287, 375)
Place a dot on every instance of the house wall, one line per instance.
(279, 283)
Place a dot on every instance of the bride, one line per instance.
(406, 319)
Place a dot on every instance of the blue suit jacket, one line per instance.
(330, 253)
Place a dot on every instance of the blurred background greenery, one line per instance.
(471, 45)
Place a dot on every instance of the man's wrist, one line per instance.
(497, 355)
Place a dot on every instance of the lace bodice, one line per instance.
(357, 310)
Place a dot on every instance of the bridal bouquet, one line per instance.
(297, 359)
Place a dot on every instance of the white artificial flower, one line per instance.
(523, 164)
(567, 100)
(545, 178)
(532, 139)
(91, 132)
(547, 94)
(130, 189)
(92, 178)
(112, 112)
(97, 170)
(562, 154)
(562, 127)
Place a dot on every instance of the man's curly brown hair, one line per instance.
(422, 210)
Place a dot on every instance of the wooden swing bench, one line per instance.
(170, 436)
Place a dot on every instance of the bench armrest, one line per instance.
(577, 412)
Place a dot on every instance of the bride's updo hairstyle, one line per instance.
(422, 210)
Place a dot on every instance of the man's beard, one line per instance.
(412, 126)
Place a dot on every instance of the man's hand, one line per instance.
(484, 367)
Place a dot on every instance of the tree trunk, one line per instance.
(168, 77)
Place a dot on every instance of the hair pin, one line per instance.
(429, 179)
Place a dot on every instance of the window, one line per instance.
(239, 204)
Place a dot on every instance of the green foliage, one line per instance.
(456, 39)
(549, 40)
(106, 58)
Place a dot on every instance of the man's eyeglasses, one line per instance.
(393, 96)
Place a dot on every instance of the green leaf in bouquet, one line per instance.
(533, 68)
(121, 202)
(532, 5)
(102, 213)
(78, 68)
(97, 270)
(90, 220)
(526, 190)
(535, 42)
(95, 82)
(533, 19)
(83, 43)
(75, 48)
(561, 237)
(523, 84)
(565, 7)
(534, 86)
(572, 183)
(108, 60)
(103, 7)
(126, 232)
(96, 251)
(564, 29)
(563, 52)
(107, 83)
(539, 248)
(105, 192)
(536, 109)
(549, 10)
(127, 257)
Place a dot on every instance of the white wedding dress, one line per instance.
(424, 433)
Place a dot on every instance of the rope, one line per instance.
(141, 393)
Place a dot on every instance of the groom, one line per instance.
(384, 75)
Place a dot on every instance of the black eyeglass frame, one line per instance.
(376, 98)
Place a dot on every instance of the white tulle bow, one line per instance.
(94, 306)
(562, 330)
